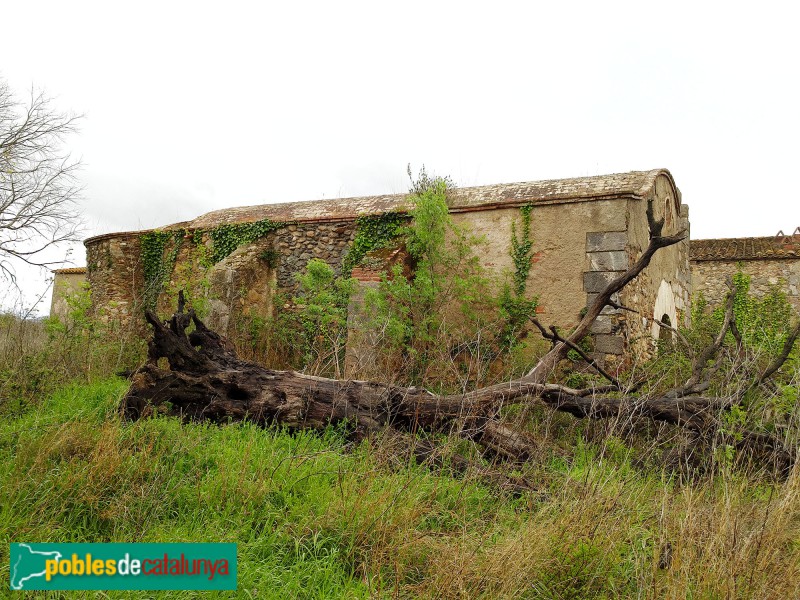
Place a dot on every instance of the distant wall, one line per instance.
(66, 282)
(710, 276)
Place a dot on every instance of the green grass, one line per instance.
(71, 471)
(315, 517)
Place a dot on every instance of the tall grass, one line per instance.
(38, 356)
(316, 517)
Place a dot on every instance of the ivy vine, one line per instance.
(522, 250)
(159, 264)
(227, 238)
(515, 307)
(372, 232)
(197, 236)
(157, 267)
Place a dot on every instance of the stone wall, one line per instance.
(66, 283)
(245, 283)
(579, 246)
(710, 276)
(558, 232)
(115, 273)
(664, 288)
(296, 244)
(584, 231)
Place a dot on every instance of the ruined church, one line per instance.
(585, 232)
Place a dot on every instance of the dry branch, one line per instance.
(547, 364)
(38, 181)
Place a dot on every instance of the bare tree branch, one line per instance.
(556, 338)
(38, 181)
(782, 357)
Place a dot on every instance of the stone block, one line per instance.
(602, 324)
(613, 260)
(596, 281)
(609, 344)
(604, 241)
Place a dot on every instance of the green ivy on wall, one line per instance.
(372, 232)
(227, 238)
(515, 307)
(159, 263)
(522, 250)
(157, 267)
(197, 236)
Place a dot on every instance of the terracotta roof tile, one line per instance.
(753, 248)
(70, 271)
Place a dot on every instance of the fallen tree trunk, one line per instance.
(206, 381)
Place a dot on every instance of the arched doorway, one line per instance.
(664, 311)
(665, 335)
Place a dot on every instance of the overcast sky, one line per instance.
(193, 106)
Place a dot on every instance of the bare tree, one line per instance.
(38, 184)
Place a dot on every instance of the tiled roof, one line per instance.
(753, 248)
(620, 185)
(70, 271)
(634, 185)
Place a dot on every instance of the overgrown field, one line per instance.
(620, 507)
(315, 517)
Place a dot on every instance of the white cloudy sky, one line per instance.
(194, 106)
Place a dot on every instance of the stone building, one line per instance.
(769, 261)
(585, 231)
(66, 282)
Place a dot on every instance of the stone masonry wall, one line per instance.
(663, 288)
(115, 274)
(242, 283)
(296, 244)
(579, 247)
(558, 232)
(710, 276)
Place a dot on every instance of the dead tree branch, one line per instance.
(556, 338)
(546, 365)
(38, 181)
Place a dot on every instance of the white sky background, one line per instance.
(194, 106)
